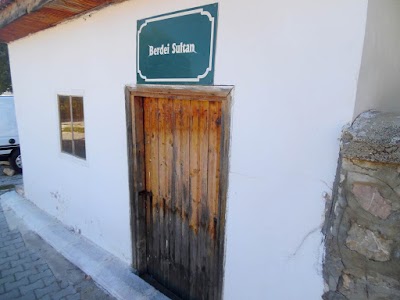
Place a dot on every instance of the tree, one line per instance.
(5, 75)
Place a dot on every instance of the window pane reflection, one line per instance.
(65, 124)
(78, 126)
(72, 125)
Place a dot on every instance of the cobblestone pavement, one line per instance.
(32, 269)
(7, 182)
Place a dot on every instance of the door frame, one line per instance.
(134, 95)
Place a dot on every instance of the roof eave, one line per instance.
(24, 17)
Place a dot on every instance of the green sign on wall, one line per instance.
(177, 48)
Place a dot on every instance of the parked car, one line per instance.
(9, 140)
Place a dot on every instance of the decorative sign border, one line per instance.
(200, 11)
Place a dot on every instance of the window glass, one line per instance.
(72, 125)
(65, 124)
(78, 126)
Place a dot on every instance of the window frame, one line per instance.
(70, 96)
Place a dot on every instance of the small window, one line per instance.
(72, 125)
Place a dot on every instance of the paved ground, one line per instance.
(7, 182)
(32, 269)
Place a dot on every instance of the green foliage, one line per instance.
(5, 76)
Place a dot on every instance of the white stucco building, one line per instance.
(300, 71)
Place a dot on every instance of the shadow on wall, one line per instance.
(379, 78)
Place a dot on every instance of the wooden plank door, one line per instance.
(182, 140)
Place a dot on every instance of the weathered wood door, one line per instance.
(182, 148)
(178, 178)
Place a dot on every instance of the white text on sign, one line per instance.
(175, 49)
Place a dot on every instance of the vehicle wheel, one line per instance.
(16, 161)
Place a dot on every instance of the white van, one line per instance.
(9, 140)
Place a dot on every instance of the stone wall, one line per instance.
(362, 227)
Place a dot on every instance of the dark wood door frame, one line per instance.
(134, 117)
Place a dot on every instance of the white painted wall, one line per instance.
(379, 83)
(295, 67)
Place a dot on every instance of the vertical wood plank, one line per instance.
(213, 192)
(131, 137)
(139, 171)
(139, 143)
(174, 227)
(148, 186)
(195, 188)
(165, 181)
(170, 200)
(152, 180)
(226, 107)
(177, 194)
(203, 269)
(182, 192)
(161, 187)
(213, 162)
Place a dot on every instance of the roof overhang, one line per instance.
(19, 18)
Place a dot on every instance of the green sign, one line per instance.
(177, 48)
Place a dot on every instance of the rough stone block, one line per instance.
(368, 243)
(353, 288)
(8, 172)
(375, 287)
(371, 200)
(366, 218)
